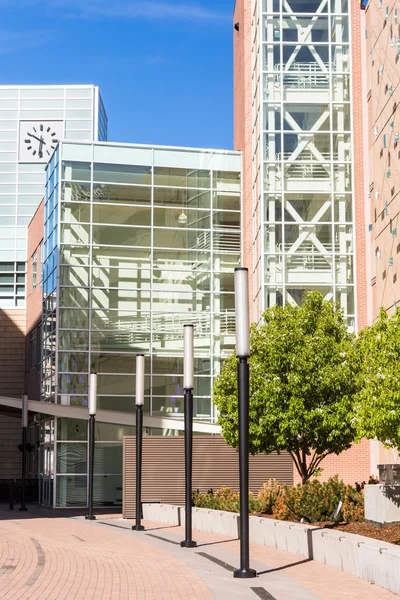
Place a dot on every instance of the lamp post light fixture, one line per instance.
(139, 438)
(243, 353)
(24, 429)
(92, 418)
(188, 386)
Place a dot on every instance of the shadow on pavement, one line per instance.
(219, 542)
(158, 528)
(40, 512)
(295, 564)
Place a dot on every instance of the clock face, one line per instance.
(38, 140)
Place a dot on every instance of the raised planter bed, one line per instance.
(372, 560)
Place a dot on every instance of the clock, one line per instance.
(38, 140)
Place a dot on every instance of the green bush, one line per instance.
(317, 501)
(268, 495)
(314, 502)
(223, 499)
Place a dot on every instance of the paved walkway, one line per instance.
(47, 556)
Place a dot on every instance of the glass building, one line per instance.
(138, 241)
(32, 120)
(303, 205)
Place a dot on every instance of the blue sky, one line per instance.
(164, 67)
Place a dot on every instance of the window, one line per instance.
(32, 357)
(395, 16)
(34, 270)
(41, 263)
(38, 347)
(384, 140)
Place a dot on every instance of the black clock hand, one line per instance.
(41, 142)
(34, 136)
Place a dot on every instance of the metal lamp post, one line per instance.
(139, 438)
(24, 427)
(92, 416)
(243, 353)
(188, 386)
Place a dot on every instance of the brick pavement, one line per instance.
(70, 559)
(326, 582)
(58, 558)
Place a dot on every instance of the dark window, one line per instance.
(32, 349)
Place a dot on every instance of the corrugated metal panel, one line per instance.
(214, 465)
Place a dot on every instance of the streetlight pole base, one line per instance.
(137, 528)
(188, 544)
(23, 509)
(244, 573)
(90, 518)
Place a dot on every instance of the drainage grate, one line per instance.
(262, 593)
(217, 561)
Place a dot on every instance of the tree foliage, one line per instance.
(302, 385)
(378, 399)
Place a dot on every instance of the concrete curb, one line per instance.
(372, 560)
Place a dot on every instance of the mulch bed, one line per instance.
(386, 533)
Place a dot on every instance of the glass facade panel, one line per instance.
(132, 276)
(110, 173)
(144, 250)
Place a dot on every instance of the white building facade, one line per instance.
(32, 120)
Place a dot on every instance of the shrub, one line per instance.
(317, 502)
(268, 495)
(353, 505)
(223, 499)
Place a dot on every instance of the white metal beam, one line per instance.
(105, 416)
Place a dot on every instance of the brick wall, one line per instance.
(383, 75)
(12, 367)
(353, 465)
(243, 126)
(34, 302)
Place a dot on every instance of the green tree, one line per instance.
(378, 399)
(302, 385)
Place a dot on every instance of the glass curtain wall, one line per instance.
(144, 247)
(305, 109)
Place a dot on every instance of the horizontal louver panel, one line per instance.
(214, 465)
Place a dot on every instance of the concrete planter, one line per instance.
(382, 503)
(372, 560)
